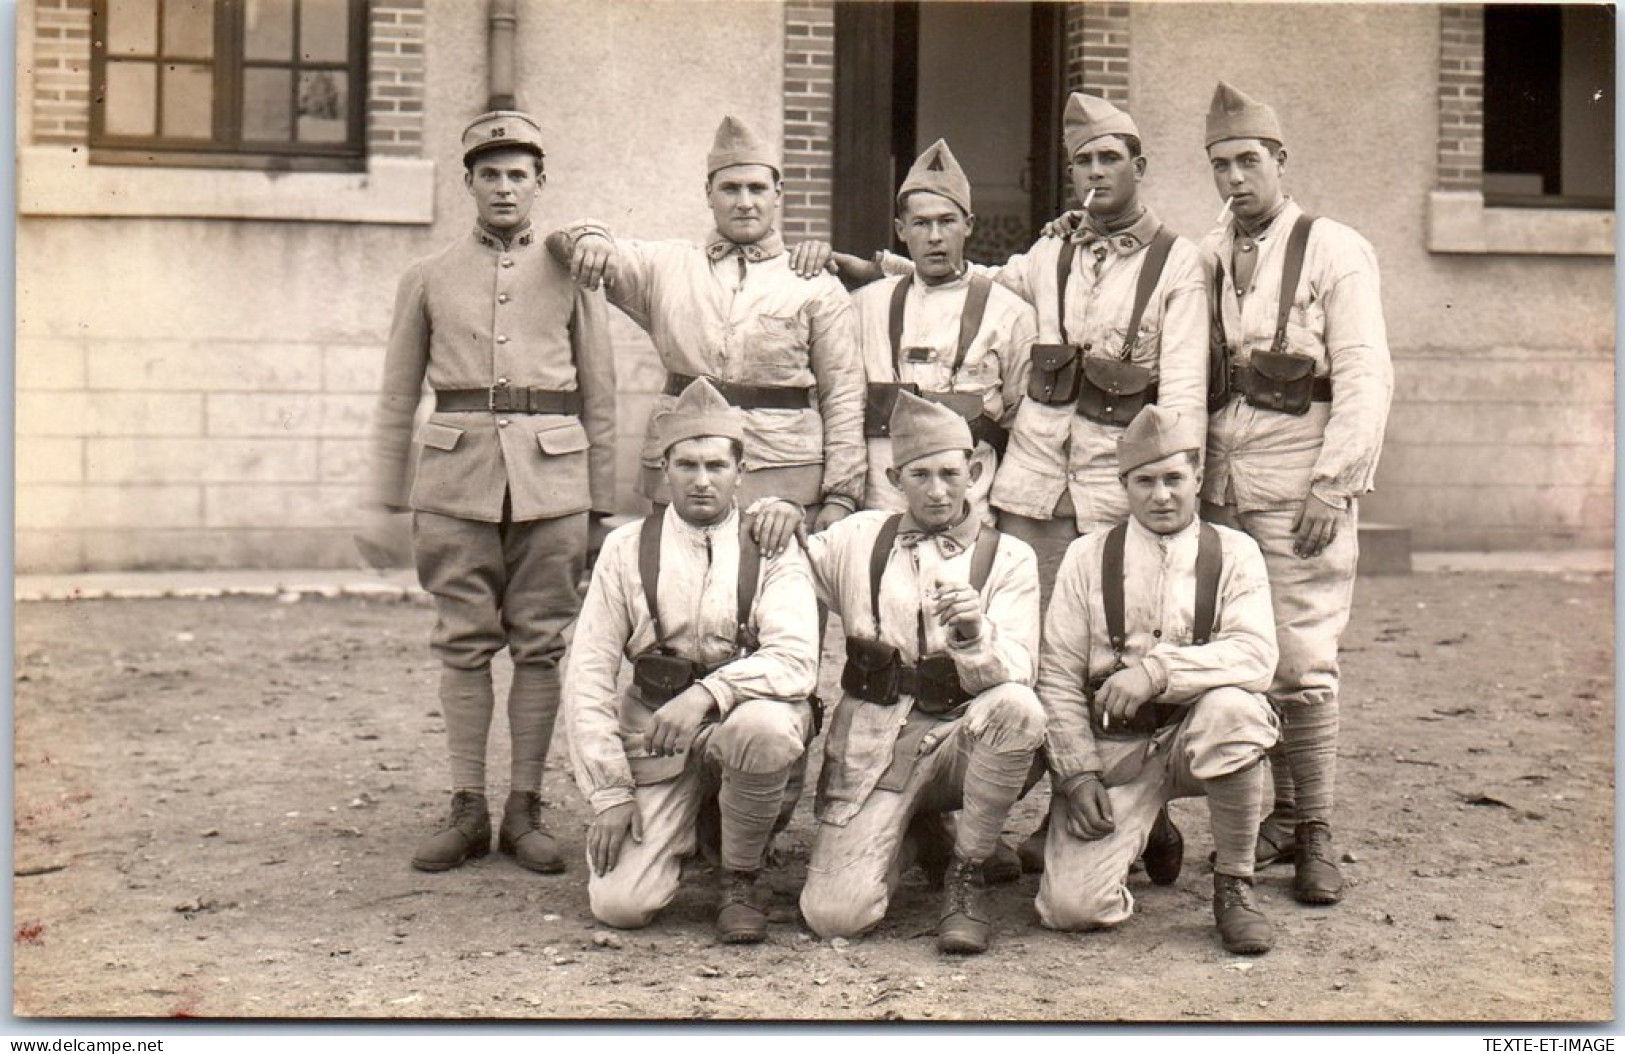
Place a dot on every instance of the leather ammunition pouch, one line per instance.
(1056, 375)
(660, 677)
(936, 687)
(1113, 392)
(1281, 381)
(872, 671)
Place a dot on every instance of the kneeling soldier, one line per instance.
(938, 713)
(724, 647)
(1157, 644)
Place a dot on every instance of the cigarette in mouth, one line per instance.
(1087, 198)
(1224, 213)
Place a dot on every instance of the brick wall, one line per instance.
(1461, 97)
(61, 103)
(809, 117)
(1097, 55)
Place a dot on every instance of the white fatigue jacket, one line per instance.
(1260, 459)
(699, 606)
(1053, 448)
(738, 313)
(862, 734)
(1159, 614)
(931, 316)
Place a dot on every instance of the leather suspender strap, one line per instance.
(877, 563)
(894, 325)
(1156, 258)
(1063, 272)
(1296, 246)
(649, 569)
(1209, 562)
(750, 563)
(970, 317)
(981, 561)
(1111, 585)
(750, 566)
(970, 320)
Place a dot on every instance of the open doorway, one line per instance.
(987, 77)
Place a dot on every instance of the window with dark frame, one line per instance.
(1549, 105)
(269, 84)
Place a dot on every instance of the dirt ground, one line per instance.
(215, 801)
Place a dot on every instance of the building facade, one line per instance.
(216, 203)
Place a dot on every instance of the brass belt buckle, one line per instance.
(492, 403)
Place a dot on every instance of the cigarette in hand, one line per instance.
(1087, 198)
(1224, 213)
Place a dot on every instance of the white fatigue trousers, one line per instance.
(1085, 883)
(757, 736)
(855, 869)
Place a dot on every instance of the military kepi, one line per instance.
(1234, 114)
(1090, 117)
(501, 128)
(699, 411)
(920, 427)
(937, 171)
(738, 144)
(1155, 433)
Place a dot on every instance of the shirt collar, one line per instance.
(951, 540)
(1126, 242)
(768, 246)
(1287, 209)
(1176, 538)
(697, 535)
(524, 236)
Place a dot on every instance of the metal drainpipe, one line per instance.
(504, 21)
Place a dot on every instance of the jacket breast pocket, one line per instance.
(779, 350)
(437, 436)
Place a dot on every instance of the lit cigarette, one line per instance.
(1087, 198)
(1224, 213)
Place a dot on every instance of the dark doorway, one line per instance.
(987, 77)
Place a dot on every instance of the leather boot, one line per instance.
(964, 928)
(1164, 854)
(1031, 851)
(1276, 841)
(467, 835)
(1243, 929)
(742, 911)
(523, 837)
(1317, 879)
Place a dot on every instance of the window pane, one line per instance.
(132, 27)
(268, 29)
(132, 96)
(324, 31)
(188, 102)
(266, 106)
(324, 97)
(189, 29)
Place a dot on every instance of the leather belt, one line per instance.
(748, 396)
(506, 399)
(1241, 380)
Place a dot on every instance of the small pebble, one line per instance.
(606, 939)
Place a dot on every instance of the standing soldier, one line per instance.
(780, 347)
(947, 333)
(1156, 647)
(938, 712)
(1305, 382)
(724, 652)
(519, 448)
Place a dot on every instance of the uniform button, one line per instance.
(1156, 633)
(502, 298)
(502, 340)
(507, 262)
